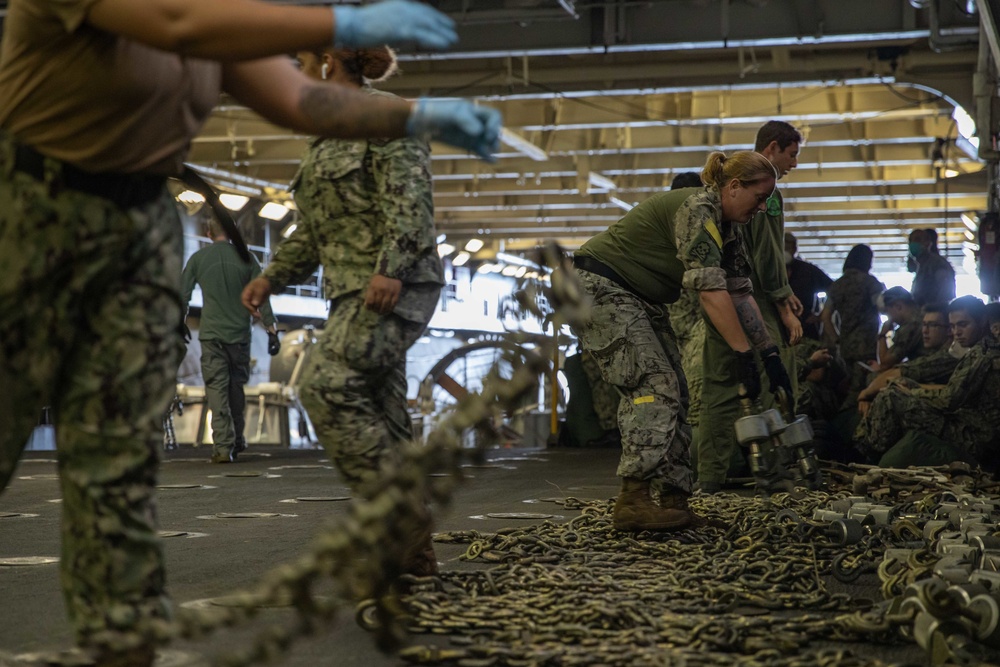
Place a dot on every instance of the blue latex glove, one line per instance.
(459, 123)
(392, 23)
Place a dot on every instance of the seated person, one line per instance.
(962, 416)
(993, 319)
(935, 364)
(904, 323)
(822, 380)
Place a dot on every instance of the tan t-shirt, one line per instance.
(98, 101)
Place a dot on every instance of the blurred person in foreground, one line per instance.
(99, 103)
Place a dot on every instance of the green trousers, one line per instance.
(91, 313)
(226, 369)
(717, 449)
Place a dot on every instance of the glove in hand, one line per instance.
(459, 123)
(776, 373)
(392, 23)
(748, 374)
(273, 344)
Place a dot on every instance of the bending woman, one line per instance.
(683, 238)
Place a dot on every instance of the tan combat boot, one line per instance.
(635, 510)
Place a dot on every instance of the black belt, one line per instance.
(125, 190)
(598, 267)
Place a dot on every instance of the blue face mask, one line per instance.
(916, 249)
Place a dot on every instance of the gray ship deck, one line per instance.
(218, 556)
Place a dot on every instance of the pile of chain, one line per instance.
(582, 593)
(755, 593)
(362, 555)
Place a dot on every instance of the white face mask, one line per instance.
(789, 257)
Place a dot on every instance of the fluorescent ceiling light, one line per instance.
(510, 270)
(951, 173)
(522, 145)
(289, 230)
(521, 270)
(475, 245)
(461, 258)
(600, 182)
(233, 202)
(498, 268)
(190, 197)
(971, 221)
(485, 268)
(445, 249)
(273, 211)
(517, 261)
(623, 205)
(441, 238)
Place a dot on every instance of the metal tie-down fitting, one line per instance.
(780, 452)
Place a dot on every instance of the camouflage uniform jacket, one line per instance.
(908, 340)
(713, 252)
(973, 386)
(366, 209)
(933, 368)
(853, 296)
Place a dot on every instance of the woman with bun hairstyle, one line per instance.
(683, 238)
(367, 217)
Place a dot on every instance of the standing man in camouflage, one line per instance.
(934, 280)
(224, 334)
(368, 219)
(853, 297)
(684, 238)
(963, 415)
(779, 307)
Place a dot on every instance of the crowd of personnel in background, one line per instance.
(863, 360)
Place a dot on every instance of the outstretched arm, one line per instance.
(229, 30)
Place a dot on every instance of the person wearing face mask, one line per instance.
(690, 238)
(368, 220)
(934, 280)
(933, 424)
(718, 452)
(807, 282)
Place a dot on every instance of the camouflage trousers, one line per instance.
(354, 384)
(895, 411)
(90, 312)
(691, 352)
(226, 369)
(634, 346)
(604, 396)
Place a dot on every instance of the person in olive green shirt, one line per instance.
(690, 238)
(224, 334)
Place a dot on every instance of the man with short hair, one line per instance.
(717, 450)
(934, 366)
(224, 333)
(957, 420)
(934, 281)
(904, 324)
